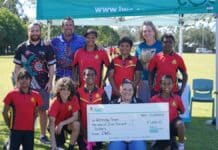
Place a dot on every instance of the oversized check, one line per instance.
(113, 122)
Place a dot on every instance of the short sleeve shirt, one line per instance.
(64, 51)
(95, 59)
(36, 59)
(23, 108)
(62, 111)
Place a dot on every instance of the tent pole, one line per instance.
(216, 98)
(181, 23)
(49, 29)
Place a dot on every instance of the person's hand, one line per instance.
(59, 128)
(48, 87)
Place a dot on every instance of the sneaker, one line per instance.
(181, 146)
(59, 148)
(44, 140)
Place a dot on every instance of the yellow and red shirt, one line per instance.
(23, 108)
(62, 111)
(95, 59)
(175, 104)
(166, 64)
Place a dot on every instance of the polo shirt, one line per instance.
(124, 69)
(23, 108)
(64, 52)
(166, 64)
(95, 59)
(62, 111)
(97, 96)
(35, 59)
(175, 105)
(142, 48)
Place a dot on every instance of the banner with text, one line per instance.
(59, 9)
(114, 122)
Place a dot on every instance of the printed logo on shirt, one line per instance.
(97, 95)
(32, 100)
(174, 104)
(96, 57)
(174, 62)
(69, 108)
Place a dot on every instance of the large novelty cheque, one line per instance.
(115, 122)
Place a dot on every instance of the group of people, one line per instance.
(77, 63)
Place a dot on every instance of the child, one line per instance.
(24, 104)
(91, 56)
(89, 94)
(123, 66)
(63, 114)
(176, 107)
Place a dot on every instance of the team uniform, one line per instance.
(175, 106)
(94, 59)
(22, 117)
(64, 52)
(97, 96)
(166, 64)
(36, 59)
(124, 69)
(143, 91)
(62, 111)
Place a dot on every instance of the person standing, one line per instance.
(122, 67)
(167, 62)
(19, 104)
(91, 56)
(65, 46)
(144, 52)
(39, 61)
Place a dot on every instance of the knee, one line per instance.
(75, 125)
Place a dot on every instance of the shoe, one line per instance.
(44, 140)
(181, 146)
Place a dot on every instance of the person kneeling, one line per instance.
(63, 114)
(177, 127)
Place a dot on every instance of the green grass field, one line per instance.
(199, 135)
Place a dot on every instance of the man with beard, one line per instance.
(65, 46)
(39, 61)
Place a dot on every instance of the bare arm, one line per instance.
(51, 76)
(5, 115)
(137, 78)
(111, 80)
(16, 70)
(71, 119)
(184, 81)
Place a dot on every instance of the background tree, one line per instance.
(12, 30)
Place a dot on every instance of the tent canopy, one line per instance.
(56, 9)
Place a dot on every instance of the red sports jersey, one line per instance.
(166, 64)
(23, 107)
(124, 69)
(86, 98)
(62, 111)
(94, 59)
(175, 104)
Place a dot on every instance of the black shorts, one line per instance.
(21, 137)
(61, 138)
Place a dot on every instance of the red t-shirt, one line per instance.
(86, 98)
(23, 108)
(124, 69)
(166, 64)
(62, 111)
(175, 104)
(94, 59)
